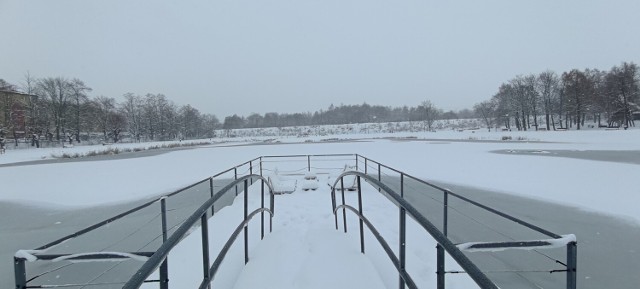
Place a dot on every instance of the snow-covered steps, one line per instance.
(316, 257)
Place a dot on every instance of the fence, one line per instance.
(450, 203)
(174, 228)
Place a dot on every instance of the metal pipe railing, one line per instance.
(474, 272)
(444, 243)
(225, 249)
(571, 247)
(448, 192)
(404, 276)
(150, 266)
(133, 210)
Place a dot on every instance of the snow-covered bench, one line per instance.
(281, 185)
(310, 181)
(349, 181)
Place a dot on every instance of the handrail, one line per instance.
(403, 273)
(441, 237)
(474, 272)
(133, 210)
(150, 266)
(318, 155)
(225, 249)
(116, 217)
(491, 210)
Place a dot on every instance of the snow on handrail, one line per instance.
(36, 255)
(517, 245)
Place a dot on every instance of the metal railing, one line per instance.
(158, 259)
(478, 276)
(201, 215)
(441, 236)
(22, 279)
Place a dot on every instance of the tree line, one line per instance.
(62, 109)
(426, 113)
(560, 101)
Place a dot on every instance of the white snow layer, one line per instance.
(120, 254)
(553, 243)
(28, 254)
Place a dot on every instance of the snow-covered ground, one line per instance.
(464, 158)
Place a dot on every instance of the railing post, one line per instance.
(333, 205)
(365, 166)
(379, 177)
(440, 263)
(164, 267)
(572, 262)
(246, 228)
(251, 170)
(344, 211)
(445, 217)
(260, 166)
(440, 271)
(211, 191)
(262, 206)
(360, 211)
(402, 185)
(272, 208)
(20, 271)
(235, 177)
(356, 162)
(308, 163)
(403, 238)
(205, 248)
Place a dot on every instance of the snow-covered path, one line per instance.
(306, 251)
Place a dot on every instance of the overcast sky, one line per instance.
(243, 56)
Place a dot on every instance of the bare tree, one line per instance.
(231, 123)
(210, 124)
(548, 87)
(58, 94)
(429, 113)
(506, 107)
(521, 101)
(28, 85)
(576, 86)
(132, 109)
(78, 96)
(623, 84)
(487, 110)
(109, 121)
(191, 122)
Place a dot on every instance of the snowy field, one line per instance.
(463, 158)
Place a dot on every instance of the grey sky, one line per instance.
(243, 56)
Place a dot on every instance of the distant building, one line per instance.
(13, 113)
